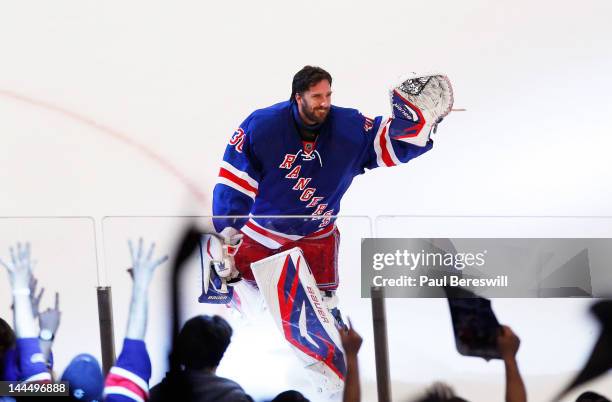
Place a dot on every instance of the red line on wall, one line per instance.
(116, 134)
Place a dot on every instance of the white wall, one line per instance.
(104, 105)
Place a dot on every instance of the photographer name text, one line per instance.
(451, 280)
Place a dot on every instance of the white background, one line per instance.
(120, 79)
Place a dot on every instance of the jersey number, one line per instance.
(237, 139)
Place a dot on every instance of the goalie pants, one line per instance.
(321, 254)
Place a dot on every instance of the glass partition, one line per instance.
(557, 333)
(65, 255)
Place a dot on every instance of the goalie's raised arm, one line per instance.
(418, 104)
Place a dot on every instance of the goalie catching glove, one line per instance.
(418, 104)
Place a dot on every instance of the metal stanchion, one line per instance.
(381, 347)
(107, 333)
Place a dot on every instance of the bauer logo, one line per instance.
(400, 105)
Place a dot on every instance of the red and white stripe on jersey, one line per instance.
(123, 382)
(238, 180)
(273, 239)
(385, 155)
(269, 238)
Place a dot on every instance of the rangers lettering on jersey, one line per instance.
(320, 209)
(313, 202)
(295, 173)
(301, 183)
(288, 161)
(307, 194)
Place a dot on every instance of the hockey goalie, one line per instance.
(299, 157)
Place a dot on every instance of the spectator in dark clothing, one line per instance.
(440, 392)
(199, 349)
(591, 397)
(290, 396)
(508, 345)
(7, 341)
(7, 337)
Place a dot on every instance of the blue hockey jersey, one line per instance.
(25, 362)
(128, 379)
(268, 170)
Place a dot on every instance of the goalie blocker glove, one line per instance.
(218, 269)
(418, 104)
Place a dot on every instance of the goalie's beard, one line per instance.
(318, 114)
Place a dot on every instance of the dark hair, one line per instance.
(307, 77)
(290, 396)
(202, 342)
(590, 396)
(7, 337)
(440, 392)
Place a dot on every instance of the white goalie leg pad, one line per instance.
(419, 102)
(291, 294)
